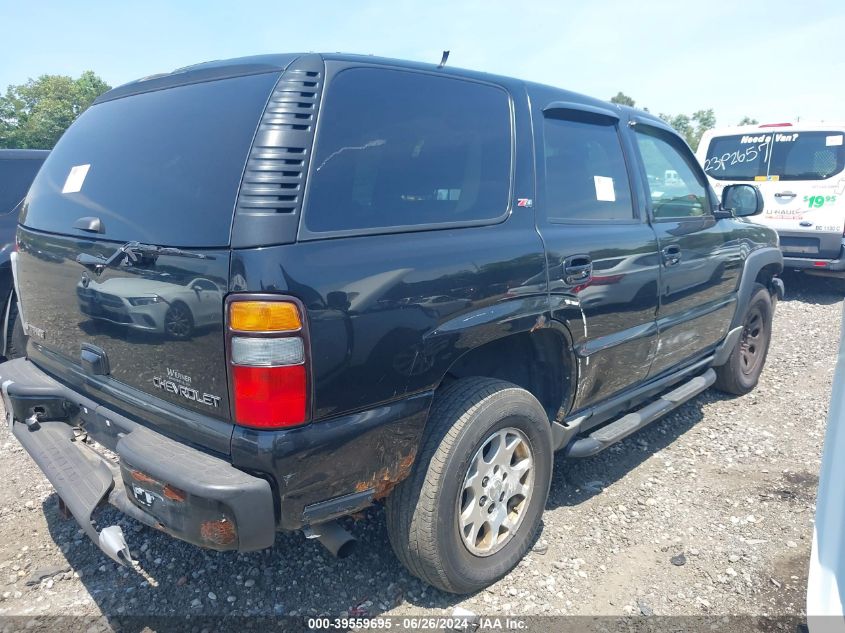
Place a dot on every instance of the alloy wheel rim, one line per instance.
(496, 492)
(752, 343)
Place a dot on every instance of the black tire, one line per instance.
(178, 321)
(16, 340)
(740, 374)
(422, 513)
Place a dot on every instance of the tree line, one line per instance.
(35, 114)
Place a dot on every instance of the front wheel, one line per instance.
(745, 364)
(471, 507)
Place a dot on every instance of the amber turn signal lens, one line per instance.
(264, 316)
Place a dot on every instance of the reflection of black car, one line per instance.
(17, 170)
(419, 284)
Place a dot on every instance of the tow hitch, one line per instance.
(32, 422)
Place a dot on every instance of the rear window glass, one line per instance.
(400, 149)
(161, 167)
(15, 177)
(781, 155)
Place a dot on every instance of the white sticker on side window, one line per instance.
(75, 178)
(604, 189)
(833, 140)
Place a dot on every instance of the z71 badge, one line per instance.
(188, 393)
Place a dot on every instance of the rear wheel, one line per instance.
(471, 508)
(745, 364)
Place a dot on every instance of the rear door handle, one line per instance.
(785, 194)
(671, 255)
(577, 269)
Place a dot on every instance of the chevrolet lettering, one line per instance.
(186, 392)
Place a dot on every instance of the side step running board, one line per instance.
(611, 433)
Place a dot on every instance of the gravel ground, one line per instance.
(708, 511)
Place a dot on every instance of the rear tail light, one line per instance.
(268, 361)
(264, 316)
(267, 352)
(269, 397)
(776, 125)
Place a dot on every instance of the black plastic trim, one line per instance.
(723, 352)
(563, 106)
(590, 417)
(630, 423)
(316, 513)
(754, 263)
(272, 188)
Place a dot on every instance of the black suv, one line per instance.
(282, 288)
(17, 170)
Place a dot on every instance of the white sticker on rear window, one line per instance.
(75, 178)
(604, 189)
(833, 140)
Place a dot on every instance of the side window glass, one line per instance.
(585, 175)
(675, 188)
(404, 149)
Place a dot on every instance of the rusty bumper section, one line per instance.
(168, 485)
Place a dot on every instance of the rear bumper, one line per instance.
(190, 494)
(811, 244)
(271, 480)
(815, 264)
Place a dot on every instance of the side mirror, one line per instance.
(742, 200)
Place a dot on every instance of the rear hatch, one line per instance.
(124, 245)
(799, 173)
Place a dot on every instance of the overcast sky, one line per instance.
(774, 60)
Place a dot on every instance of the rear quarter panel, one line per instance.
(389, 314)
